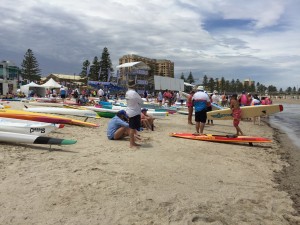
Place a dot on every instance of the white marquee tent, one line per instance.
(51, 84)
(38, 89)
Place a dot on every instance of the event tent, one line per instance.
(51, 84)
(38, 89)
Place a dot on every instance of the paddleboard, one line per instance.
(64, 111)
(19, 114)
(33, 139)
(222, 138)
(247, 112)
(27, 126)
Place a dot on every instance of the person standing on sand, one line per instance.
(134, 102)
(236, 113)
(200, 102)
(189, 104)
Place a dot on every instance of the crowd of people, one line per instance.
(201, 101)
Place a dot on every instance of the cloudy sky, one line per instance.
(236, 39)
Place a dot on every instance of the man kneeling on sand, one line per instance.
(118, 126)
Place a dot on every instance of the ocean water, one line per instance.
(288, 121)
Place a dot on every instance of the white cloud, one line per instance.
(262, 41)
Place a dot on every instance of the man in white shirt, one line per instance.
(100, 93)
(134, 103)
(200, 101)
(215, 97)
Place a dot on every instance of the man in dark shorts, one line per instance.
(200, 101)
(134, 103)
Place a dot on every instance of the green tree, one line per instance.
(280, 91)
(30, 68)
(239, 86)
(94, 69)
(222, 85)
(182, 77)
(272, 89)
(261, 89)
(227, 86)
(232, 86)
(252, 87)
(205, 81)
(105, 65)
(190, 78)
(85, 69)
(288, 90)
(211, 85)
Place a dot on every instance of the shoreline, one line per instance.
(288, 178)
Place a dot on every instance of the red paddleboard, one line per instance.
(222, 138)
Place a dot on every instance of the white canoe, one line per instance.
(64, 111)
(32, 139)
(27, 127)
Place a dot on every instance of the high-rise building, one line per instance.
(160, 67)
(248, 82)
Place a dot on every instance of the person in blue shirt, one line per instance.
(118, 126)
(200, 101)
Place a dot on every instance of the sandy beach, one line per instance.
(166, 181)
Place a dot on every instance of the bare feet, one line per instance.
(191, 123)
(135, 145)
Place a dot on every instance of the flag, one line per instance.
(87, 71)
(118, 75)
(99, 73)
(108, 74)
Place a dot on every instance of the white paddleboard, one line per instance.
(64, 111)
(247, 112)
(27, 127)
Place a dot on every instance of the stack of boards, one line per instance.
(23, 127)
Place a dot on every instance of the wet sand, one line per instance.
(289, 177)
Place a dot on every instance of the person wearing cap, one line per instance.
(200, 102)
(147, 120)
(134, 102)
(118, 126)
(62, 92)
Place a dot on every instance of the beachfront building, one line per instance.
(248, 82)
(64, 79)
(160, 67)
(9, 77)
